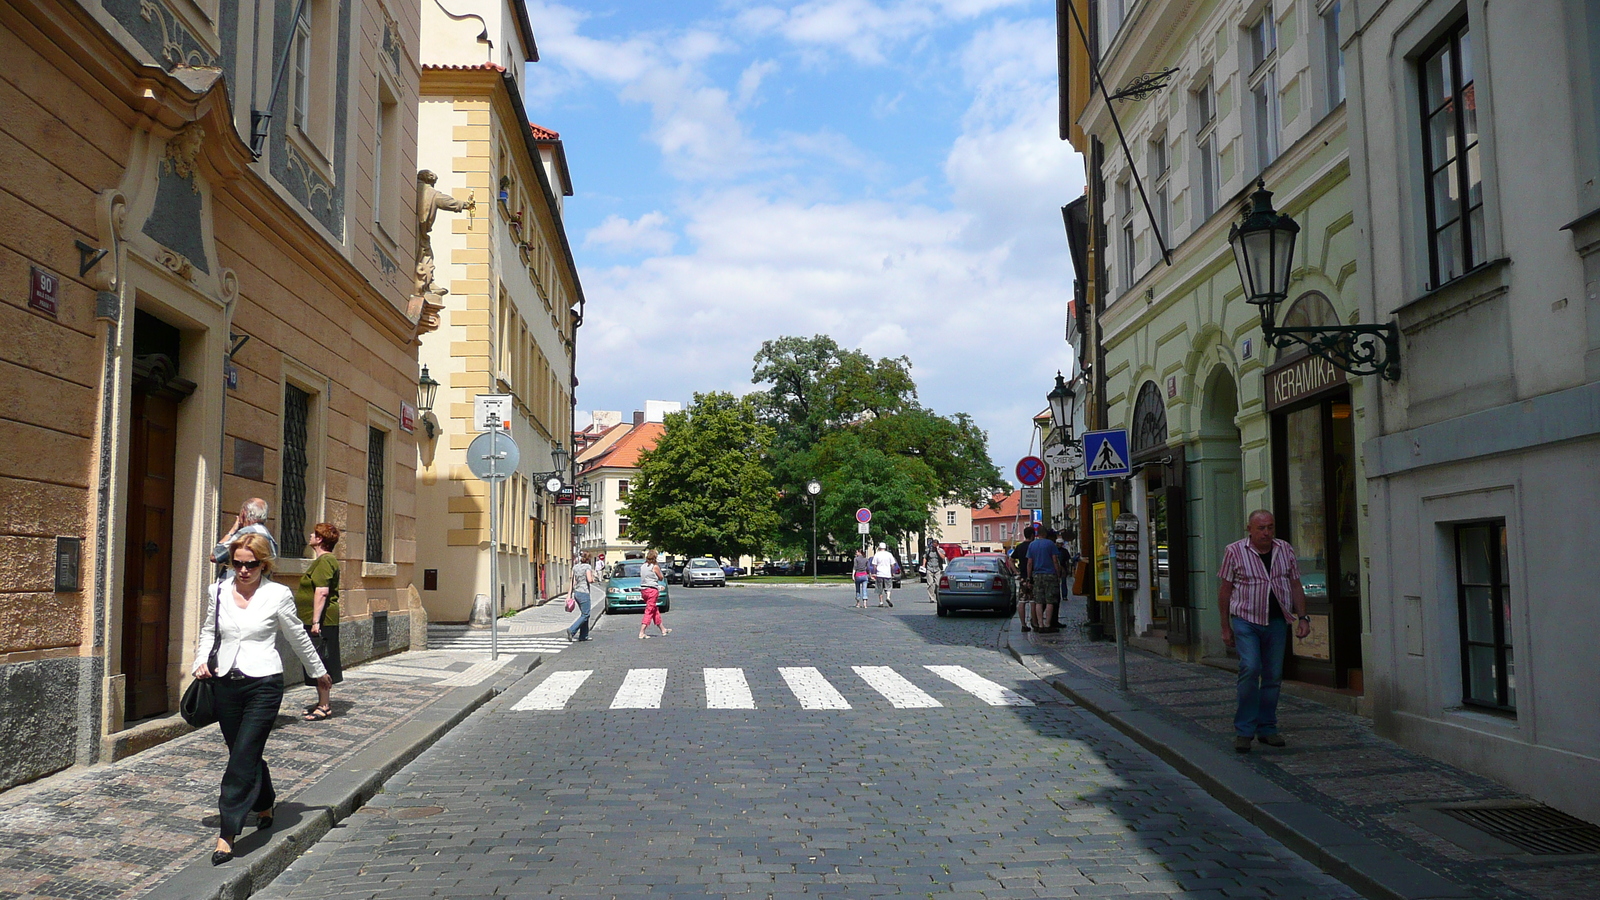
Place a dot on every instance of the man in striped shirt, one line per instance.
(1259, 594)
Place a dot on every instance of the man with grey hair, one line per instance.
(1260, 593)
(251, 520)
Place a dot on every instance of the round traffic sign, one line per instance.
(493, 456)
(863, 515)
(1030, 470)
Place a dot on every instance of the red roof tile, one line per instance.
(488, 66)
(624, 454)
(541, 133)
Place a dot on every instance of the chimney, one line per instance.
(638, 417)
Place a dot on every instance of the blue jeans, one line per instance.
(1260, 675)
(581, 627)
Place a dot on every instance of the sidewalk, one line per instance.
(1361, 807)
(146, 825)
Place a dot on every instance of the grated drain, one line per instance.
(1539, 830)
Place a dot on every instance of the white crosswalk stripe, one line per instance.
(641, 689)
(811, 689)
(901, 693)
(555, 691)
(727, 689)
(980, 687)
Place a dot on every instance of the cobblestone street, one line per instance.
(855, 753)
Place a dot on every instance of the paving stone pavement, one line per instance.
(119, 830)
(963, 800)
(1335, 761)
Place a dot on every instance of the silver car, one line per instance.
(704, 570)
(984, 581)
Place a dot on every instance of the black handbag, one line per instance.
(199, 704)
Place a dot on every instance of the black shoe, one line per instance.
(218, 857)
(888, 601)
(1272, 740)
(264, 820)
(1241, 745)
(1026, 629)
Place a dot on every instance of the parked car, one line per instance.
(731, 570)
(675, 573)
(622, 590)
(704, 570)
(984, 581)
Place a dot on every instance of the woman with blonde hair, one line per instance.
(248, 612)
(650, 589)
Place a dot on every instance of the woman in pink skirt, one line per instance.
(650, 590)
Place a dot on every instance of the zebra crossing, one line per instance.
(728, 688)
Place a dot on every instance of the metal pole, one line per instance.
(1116, 600)
(494, 538)
(813, 539)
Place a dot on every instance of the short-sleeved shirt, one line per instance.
(647, 576)
(1254, 585)
(219, 553)
(883, 564)
(1042, 553)
(580, 578)
(324, 572)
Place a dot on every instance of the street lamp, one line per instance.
(427, 390)
(1263, 250)
(556, 479)
(813, 488)
(1061, 397)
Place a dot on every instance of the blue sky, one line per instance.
(883, 171)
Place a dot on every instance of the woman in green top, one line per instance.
(317, 600)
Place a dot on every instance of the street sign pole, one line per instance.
(494, 538)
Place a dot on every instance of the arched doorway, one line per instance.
(1216, 497)
(1158, 499)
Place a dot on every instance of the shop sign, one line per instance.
(1302, 378)
(408, 417)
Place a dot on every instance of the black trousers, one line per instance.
(246, 709)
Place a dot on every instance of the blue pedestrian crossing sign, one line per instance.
(1105, 453)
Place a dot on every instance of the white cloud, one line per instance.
(648, 233)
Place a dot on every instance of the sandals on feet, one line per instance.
(316, 714)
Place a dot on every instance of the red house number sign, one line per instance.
(44, 294)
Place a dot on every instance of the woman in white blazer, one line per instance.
(252, 611)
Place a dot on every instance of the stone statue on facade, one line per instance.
(426, 295)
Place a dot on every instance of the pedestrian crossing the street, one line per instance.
(728, 688)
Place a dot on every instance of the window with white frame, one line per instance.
(1157, 164)
(987, 532)
(1332, 54)
(1205, 129)
(950, 517)
(1454, 177)
(1125, 246)
(975, 533)
(1264, 87)
(301, 110)
(386, 160)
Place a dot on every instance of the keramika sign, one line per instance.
(1298, 379)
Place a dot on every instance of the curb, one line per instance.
(303, 821)
(1368, 867)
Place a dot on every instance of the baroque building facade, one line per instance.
(1219, 423)
(210, 301)
(511, 304)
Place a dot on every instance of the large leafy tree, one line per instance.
(854, 424)
(704, 488)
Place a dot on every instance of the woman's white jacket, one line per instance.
(249, 635)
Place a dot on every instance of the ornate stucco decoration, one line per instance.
(182, 150)
(176, 263)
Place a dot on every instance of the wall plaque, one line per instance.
(44, 291)
(249, 460)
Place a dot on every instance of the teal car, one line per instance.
(622, 590)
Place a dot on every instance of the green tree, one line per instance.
(704, 488)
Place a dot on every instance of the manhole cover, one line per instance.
(1539, 830)
(416, 812)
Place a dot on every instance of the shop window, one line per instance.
(1453, 179)
(377, 463)
(1483, 594)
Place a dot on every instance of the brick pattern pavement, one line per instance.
(963, 801)
(118, 830)
(1334, 760)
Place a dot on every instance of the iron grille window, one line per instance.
(1454, 183)
(292, 505)
(377, 439)
(1483, 592)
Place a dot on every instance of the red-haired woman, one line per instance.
(317, 602)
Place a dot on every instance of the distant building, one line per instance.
(997, 527)
(952, 524)
(607, 471)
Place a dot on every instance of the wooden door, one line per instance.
(147, 580)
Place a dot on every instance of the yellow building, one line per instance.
(217, 307)
(509, 319)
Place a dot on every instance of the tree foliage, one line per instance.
(704, 489)
(854, 424)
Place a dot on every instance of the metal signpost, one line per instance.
(1125, 577)
(1107, 455)
(813, 488)
(864, 525)
(493, 456)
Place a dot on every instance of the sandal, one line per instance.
(316, 714)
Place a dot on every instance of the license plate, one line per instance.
(969, 585)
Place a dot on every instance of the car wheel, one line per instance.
(939, 608)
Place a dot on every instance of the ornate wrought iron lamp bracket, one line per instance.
(1356, 349)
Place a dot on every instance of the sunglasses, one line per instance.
(251, 565)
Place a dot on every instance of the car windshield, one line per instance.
(628, 569)
(704, 564)
(970, 564)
